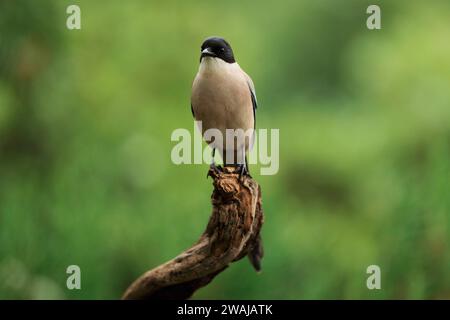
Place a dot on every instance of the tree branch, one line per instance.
(233, 231)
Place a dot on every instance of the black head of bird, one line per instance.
(217, 48)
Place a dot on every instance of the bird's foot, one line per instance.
(243, 171)
(213, 169)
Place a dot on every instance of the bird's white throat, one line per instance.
(216, 65)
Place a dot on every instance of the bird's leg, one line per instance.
(213, 166)
(246, 167)
(243, 168)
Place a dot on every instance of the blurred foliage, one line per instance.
(364, 118)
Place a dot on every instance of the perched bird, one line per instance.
(223, 97)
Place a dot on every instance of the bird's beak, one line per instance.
(207, 53)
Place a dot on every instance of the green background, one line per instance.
(364, 118)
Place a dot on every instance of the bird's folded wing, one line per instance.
(251, 86)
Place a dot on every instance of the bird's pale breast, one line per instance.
(221, 97)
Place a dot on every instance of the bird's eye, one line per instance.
(222, 49)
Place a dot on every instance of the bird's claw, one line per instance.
(243, 171)
(213, 168)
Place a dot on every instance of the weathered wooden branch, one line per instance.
(233, 231)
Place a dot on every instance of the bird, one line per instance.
(224, 97)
